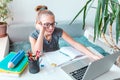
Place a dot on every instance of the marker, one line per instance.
(16, 59)
(37, 54)
(29, 54)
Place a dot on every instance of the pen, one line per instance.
(32, 56)
(16, 59)
(29, 54)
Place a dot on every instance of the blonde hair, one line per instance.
(42, 9)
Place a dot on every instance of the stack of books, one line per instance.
(17, 70)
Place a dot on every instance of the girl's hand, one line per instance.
(40, 27)
(96, 57)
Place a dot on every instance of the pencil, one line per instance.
(16, 59)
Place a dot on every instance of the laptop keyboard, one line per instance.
(78, 74)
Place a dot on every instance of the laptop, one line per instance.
(85, 70)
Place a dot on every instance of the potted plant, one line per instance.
(107, 13)
(4, 15)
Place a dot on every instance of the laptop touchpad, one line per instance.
(74, 65)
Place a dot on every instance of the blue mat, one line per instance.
(83, 40)
(16, 46)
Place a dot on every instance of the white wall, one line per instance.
(23, 10)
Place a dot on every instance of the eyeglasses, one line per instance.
(47, 25)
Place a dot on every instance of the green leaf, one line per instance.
(118, 25)
(106, 18)
(106, 21)
(103, 3)
(97, 20)
(84, 17)
(99, 28)
(80, 11)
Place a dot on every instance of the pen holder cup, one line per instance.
(33, 66)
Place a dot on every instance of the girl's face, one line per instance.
(48, 21)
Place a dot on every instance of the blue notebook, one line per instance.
(17, 70)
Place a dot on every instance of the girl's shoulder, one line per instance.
(58, 31)
(34, 34)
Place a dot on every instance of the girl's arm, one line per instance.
(37, 44)
(79, 46)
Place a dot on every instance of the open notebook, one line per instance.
(65, 54)
(71, 52)
(62, 55)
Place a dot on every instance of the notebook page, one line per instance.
(56, 57)
(72, 52)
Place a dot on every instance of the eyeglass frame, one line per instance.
(47, 24)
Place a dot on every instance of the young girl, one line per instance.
(46, 36)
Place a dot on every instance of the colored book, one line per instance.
(17, 70)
